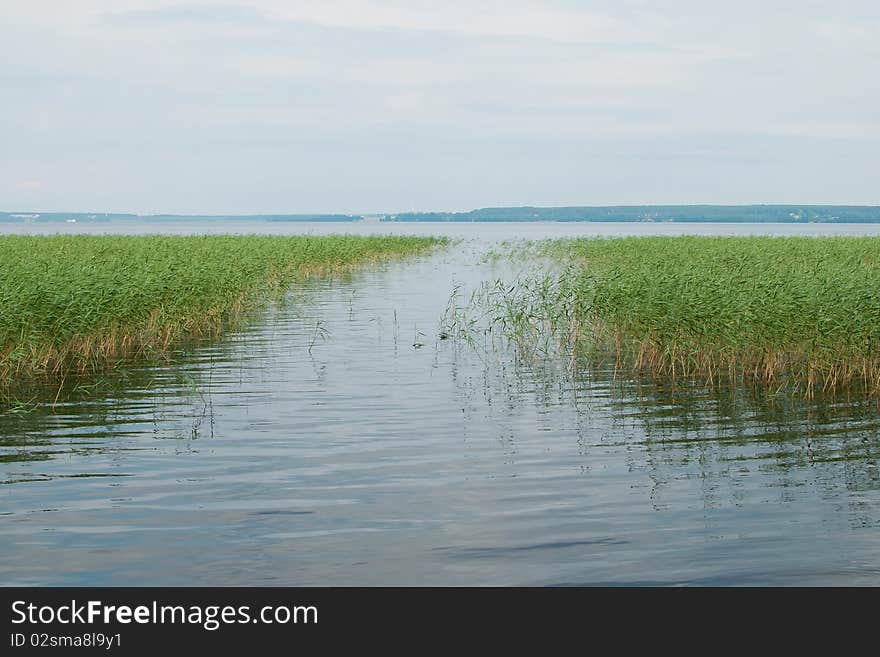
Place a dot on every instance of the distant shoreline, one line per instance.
(794, 214)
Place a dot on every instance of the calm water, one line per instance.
(337, 440)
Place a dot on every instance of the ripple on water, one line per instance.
(284, 454)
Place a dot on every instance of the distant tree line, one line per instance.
(696, 213)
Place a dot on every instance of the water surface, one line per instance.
(338, 440)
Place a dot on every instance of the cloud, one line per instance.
(531, 19)
(29, 185)
(126, 86)
(194, 14)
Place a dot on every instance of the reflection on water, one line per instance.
(338, 440)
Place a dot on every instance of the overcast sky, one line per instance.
(367, 106)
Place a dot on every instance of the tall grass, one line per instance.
(785, 311)
(82, 302)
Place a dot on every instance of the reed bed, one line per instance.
(81, 303)
(782, 311)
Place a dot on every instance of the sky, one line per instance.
(287, 106)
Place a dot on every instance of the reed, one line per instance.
(782, 311)
(81, 303)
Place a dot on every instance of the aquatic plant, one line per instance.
(80, 303)
(783, 311)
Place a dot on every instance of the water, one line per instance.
(338, 440)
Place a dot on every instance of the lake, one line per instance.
(338, 440)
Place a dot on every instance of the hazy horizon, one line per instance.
(442, 211)
(361, 107)
(702, 213)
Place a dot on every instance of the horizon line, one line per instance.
(413, 211)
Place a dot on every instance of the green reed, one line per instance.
(796, 311)
(79, 303)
